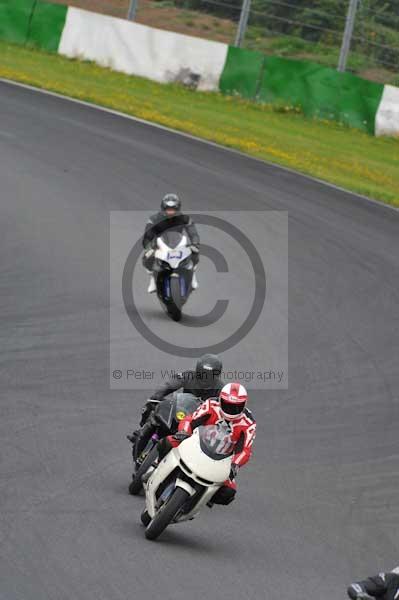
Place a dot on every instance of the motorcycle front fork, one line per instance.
(146, 434)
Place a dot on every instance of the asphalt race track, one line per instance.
(319, 503)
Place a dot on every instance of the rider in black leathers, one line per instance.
(384, 586)
(169, 217)
(204, 382)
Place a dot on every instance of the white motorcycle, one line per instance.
(187, 478)
(173, 272)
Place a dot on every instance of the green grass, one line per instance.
(349, 158)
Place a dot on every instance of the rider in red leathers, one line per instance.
(230, 408)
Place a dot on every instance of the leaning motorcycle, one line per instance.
(164, 421)
(173, 272)
(187, 478)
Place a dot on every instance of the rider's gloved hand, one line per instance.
(194, 249)
(151, 402)
(149, 252)
(180, 436)
(233, 472)
(355, 594)
(147, 410)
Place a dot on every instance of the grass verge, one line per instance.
(346, 157)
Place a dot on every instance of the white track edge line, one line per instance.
(111, 111)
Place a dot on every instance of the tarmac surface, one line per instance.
(317, 506)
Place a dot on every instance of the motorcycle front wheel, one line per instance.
(137, 485)
(174, 309)
(166, 513)
(174, 313)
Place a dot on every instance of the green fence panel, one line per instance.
(321, 92)
(47, 25)
(14, 20)
(242, 72)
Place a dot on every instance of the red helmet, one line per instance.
(233, 400)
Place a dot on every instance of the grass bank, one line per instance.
(346, 157)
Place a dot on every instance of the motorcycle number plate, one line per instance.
(172, 255)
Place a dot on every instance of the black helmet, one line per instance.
(208, 367)
(171, 202)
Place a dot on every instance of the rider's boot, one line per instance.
(152, 287)
(133, 438)
(194, 283)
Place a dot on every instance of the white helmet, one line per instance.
(233, 400)
(396, 570)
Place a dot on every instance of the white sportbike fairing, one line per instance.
(174, 272)
(199, 465)
(172, 256)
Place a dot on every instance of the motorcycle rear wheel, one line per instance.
(166, 514)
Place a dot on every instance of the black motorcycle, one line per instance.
(164, 421)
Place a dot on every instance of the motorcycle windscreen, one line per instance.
(216, 441)
(172, 238)
(186, 404)
(165, 412)
(175, 408)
